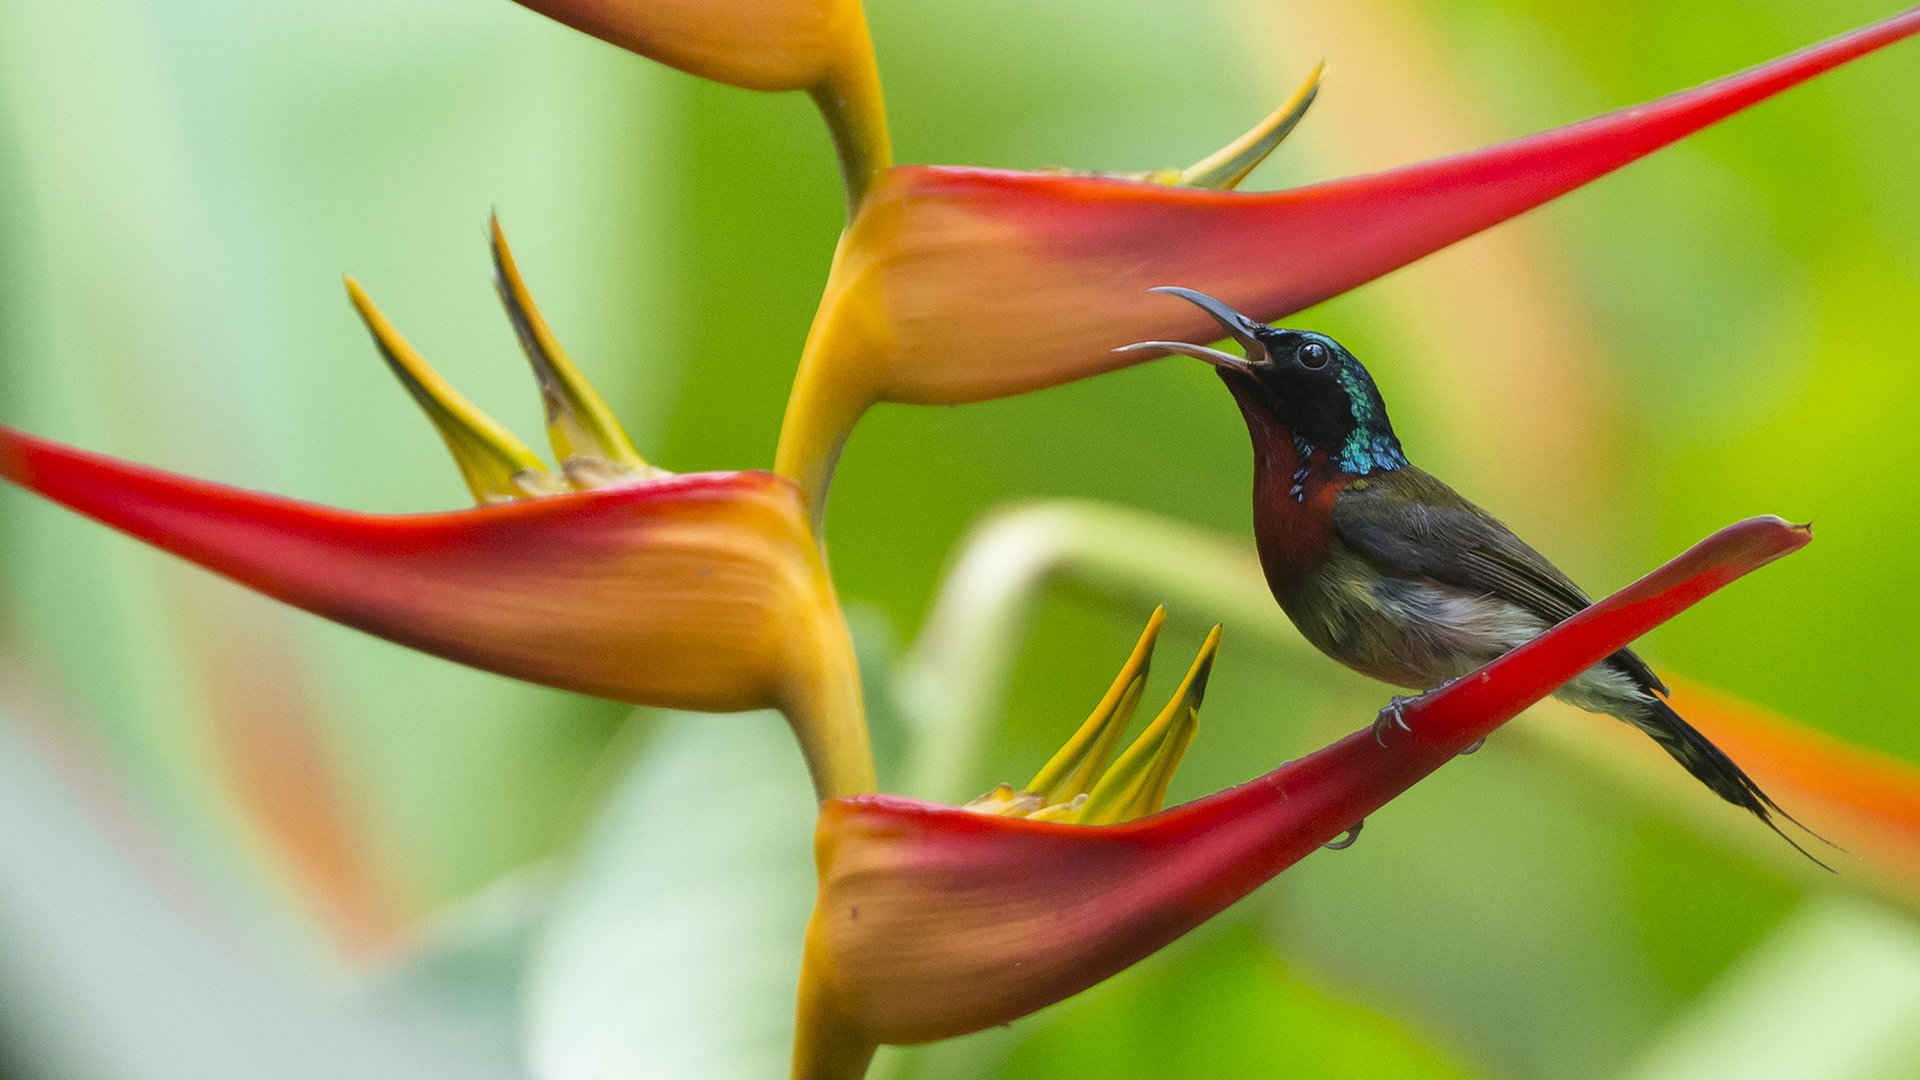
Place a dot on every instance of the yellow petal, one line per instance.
(1137, 784)
(496, 466)
(1072, 770)
(579, 424)
(1225, 168)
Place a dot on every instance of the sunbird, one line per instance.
(1391, 572)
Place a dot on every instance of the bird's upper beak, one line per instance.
(1237, 326)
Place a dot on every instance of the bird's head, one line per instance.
(1304, 384)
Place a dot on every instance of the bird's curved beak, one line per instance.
(1237, 326)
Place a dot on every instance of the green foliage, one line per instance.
(1227, 1006)
(672, 949)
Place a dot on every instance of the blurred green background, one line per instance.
(1721, 330)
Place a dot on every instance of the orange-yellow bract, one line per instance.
(820, 46)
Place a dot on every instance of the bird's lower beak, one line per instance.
(1222, 360)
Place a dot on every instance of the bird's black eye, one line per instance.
(1312, 354)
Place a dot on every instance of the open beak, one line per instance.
(1237, 326)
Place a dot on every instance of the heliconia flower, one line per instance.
(820, 46)
(700, 591)
(955, 284)
(933, 921)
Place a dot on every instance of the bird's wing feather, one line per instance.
(1407, 522)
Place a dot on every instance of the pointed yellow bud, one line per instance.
(1225, 168)
(1137, 784)
(496, 466)
(1072, 770)
(587, 440)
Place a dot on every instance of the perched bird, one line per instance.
(1388, 570)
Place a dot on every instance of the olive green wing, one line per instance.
(1406, 522)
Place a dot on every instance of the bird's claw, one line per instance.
(1474, 746)
(1393, 716)
(1345, 840)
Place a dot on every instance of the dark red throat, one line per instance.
(1294, 486)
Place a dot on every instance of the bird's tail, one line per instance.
(1712, 767)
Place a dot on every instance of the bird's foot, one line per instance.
(1393, 716)
(1345, 840)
